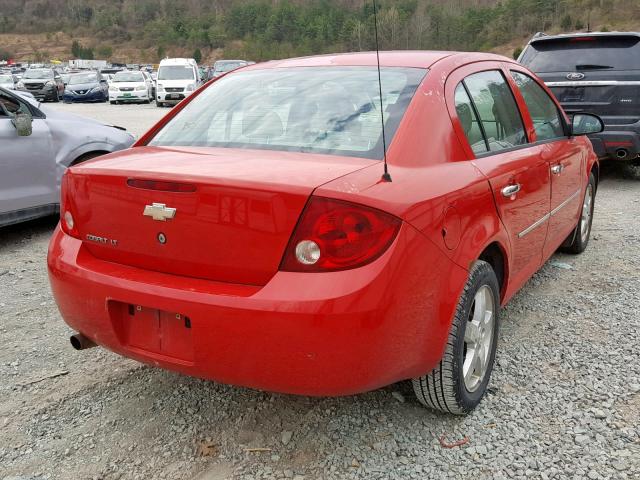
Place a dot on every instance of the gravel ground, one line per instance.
(564, 400)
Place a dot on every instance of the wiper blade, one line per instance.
(590, 66)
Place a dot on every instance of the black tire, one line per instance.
(444, 388)
(56, 96)
(112, 103)
(159, 104)
(578, 240)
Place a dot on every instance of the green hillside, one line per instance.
(260, 30)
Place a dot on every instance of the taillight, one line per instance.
(67, 221)
(337, 235)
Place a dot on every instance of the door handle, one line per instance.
(511, 190)
(557, 169)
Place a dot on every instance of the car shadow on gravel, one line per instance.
(24, 232)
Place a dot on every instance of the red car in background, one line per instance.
(251, 238)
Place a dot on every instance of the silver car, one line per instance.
(37, 144)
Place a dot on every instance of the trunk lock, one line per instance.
(162, 238)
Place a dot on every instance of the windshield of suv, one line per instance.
(175, 72)
(332, 110)
(38, 74)
(227, 66)
(583, 53)
(81, 78)
(128, 77)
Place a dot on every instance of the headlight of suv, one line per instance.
(20, 86)
(191, 87)
(141, 87)
(160, 87)
(50, 84)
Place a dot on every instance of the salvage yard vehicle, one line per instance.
(38, 144)
(6, 81)
(261, 234)
(177, 79)
(599, 73)
(43, 83)
(129, 86)
(86, 87)
(223, 66)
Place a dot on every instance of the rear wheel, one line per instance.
(578, 240)
(460, 380)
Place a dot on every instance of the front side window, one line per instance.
(544, 113)
(332, 110)
(469, 120)
(497, 109)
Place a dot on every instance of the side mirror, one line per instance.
(586, 124)
(23, 121)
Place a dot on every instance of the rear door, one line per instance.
(516, 170)
(564, 155)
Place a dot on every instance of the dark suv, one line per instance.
(596, 73)
(43, 83)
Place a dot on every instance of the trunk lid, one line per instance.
(235, 209)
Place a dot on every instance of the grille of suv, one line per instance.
(34, 86)
(174, 89)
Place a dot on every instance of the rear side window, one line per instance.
(497, 109)
(583, 54)
(469, 120)
(544, 113)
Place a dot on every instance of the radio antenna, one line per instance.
(385, 176)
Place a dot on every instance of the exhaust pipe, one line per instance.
(621, 153)
(80, 342)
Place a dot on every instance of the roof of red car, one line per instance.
(399, 58)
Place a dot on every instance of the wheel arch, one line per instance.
(495, 255)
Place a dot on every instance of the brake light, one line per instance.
(67, 221)
(337, 235)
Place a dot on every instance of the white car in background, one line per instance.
(131, 86)
(177, 79)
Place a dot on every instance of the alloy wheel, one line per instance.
(585, 223)
(477, 338)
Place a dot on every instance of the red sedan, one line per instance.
(251, 237)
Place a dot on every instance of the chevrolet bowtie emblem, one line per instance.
(159, 211)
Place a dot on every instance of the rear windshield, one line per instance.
(583, 53)
(176, 72)
(333, 110)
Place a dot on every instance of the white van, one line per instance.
(177, 79)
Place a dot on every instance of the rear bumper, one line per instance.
(617, 142)
(172, 98)
(315, 334)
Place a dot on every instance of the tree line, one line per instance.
(266, 29)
